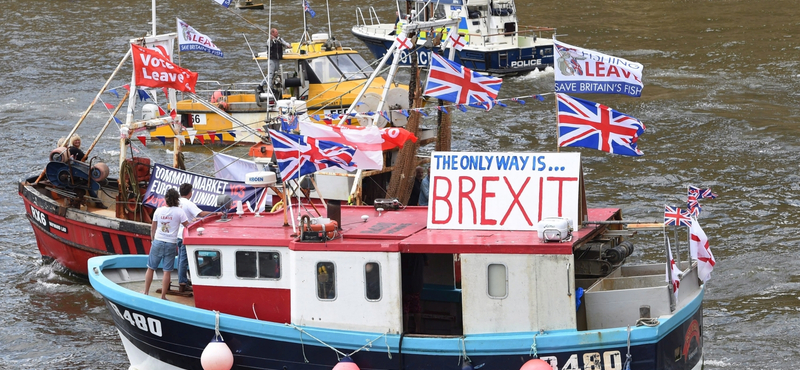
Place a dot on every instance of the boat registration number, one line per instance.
(198, 119)
(139, 321)
(608, 360)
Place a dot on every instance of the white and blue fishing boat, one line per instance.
(493, 41)
(510, 267)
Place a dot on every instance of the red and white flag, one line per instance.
(153, 69)
(396, 137)
(403, 42)
(676, 280)
(698, 247)
(456, 41)
(367, 141)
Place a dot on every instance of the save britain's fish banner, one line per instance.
(204, 189)
(189, 39)
(579, 70)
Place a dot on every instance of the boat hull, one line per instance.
(165, 335)
(71, 236)
(503, 62)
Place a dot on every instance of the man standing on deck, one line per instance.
(164, 234)
(276, 45)
(192, 211)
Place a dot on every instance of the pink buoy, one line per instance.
(346, 363)
(536, 364)
(216, 355)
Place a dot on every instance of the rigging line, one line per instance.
(235, 143)
(247, 21)
(331, 100)
(252, 53)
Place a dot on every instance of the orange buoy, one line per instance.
(328, 228)
(216, 355)
(346, 363)
(536, 364)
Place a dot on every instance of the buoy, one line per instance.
(346, 363)
(216, 355)
(467, 365)
(536, 364)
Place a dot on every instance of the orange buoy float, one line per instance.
(346, 363)
(536, 364)
(216, 355)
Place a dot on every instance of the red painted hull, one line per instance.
(71, 236)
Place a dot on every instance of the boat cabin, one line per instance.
(436, 270)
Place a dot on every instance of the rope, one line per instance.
(126, 172)
(627, 365)
(647, 322)
(216, 326)
(339, 353)
(532, 351)
(464, 356)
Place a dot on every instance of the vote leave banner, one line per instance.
(502, 191)
(153, 69)
(579, 70)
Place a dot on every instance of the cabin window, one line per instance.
(258, 265)
(324, 69)
(326, 280)
(372, 277)
(497, 281)
(208, 263)
(353, 67)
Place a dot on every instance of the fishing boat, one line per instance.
(77, 211)
(318, 74)
(488, 37)
(248, 4)
(506, 269)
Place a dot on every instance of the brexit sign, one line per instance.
(502, 191)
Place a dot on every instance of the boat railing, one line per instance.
(480, 39)
(373, 17)
(209, 87)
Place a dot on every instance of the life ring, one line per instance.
(277, 207)
(306, 225)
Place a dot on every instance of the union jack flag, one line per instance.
(307, 8)
(299, 155)
(701, 193)
(453, 82)
(586, 124)
(676, 217)
(693, 206)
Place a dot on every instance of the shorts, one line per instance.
(162, 253)
(411, 303)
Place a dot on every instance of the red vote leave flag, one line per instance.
(152, 69)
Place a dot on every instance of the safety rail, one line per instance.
(373, 17)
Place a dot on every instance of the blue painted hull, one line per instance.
(512, 61)
(176, 334)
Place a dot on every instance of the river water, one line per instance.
(720, 104)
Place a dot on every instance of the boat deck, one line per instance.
(135, 282)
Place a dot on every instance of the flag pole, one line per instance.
(671, 287)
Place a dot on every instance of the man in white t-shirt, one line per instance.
(164, 235)
(192, 211)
